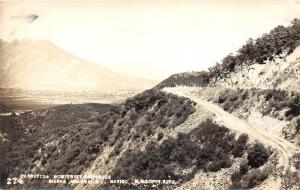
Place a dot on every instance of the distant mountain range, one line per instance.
(40, 65)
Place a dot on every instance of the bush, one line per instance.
(244, 167)
(235, 179)
(240, 146)
(296, 160)
(160, 136)
(230, 100)
(278, 100)
(257, 155)
(254, 178)
(201, 78)
(290, 180)
(297, 125)
(244, 179)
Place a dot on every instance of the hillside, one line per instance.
(68, 138)
(256, 88)
(274, 52)
(129, 141)
(4, 109)
(40, 65)
(284, 74)
(221, 107)
(254, 91)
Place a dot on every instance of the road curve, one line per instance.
(285, 148)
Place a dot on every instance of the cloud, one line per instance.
(25, 18)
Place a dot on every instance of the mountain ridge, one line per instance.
(54, 68)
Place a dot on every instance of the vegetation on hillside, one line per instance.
(15, 147)
(67, 139)
(277, 44)
(274, 101)
(209, 147)
(279, 104)
(4, 109)
(145, 116)
(51, 141)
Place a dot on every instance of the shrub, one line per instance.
(279, 100)
(297, 125)
(240, 145)
(257, 155)
(296, 160)
(254, 178)
(290, 180)
(231, 100)
(244, 167)
(160, 136)
(235, 179)
(244, 179)
(219, 164)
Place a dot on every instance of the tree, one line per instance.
(258, 155)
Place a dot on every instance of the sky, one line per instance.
(151, 39)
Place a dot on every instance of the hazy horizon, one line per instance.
(149, 39)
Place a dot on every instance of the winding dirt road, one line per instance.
(284, 148)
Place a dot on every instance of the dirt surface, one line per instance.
(284, 148)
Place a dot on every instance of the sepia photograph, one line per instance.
(150, 94)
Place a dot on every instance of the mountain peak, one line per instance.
(40, 64)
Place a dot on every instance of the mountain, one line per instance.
(40, 65)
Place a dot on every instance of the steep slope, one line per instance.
(149, 136)
(67, 139)
(269, 53)
(256, 91)
(282, 169)
(4, 109)
(42, 65)
(285, 148)
(259, 83)
(283, 74)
